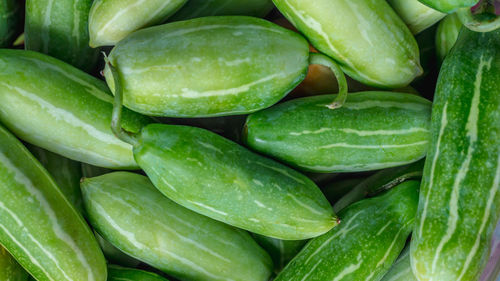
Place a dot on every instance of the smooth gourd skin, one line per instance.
(447, 34)
(401, 269)
(114, 255)
(366, 37)
(211, 66)
(65, 172)
(372, 130)
(53, 105)
(449, 6)
(117, 273)
(416, 15)
(205, 8)
(460, 193)
(218, 178)
(127, 210)
(38, 225)
(112, 20)
(60, 29)
(10, 270)
(10, 22)
(364, 246)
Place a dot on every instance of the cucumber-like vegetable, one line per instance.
(53, 105)
(401, 269)
(337, 189)
(447, 34)
(281, 251)
(363, 247)
(460, 199)
(204, 8)
(117, 273)
(448, 6)
(65, 172)
(367, 38)
(10, 270)
(115, 255)
(483, 17)
(10, 21)
(128, 211)
(416, 15)
(60, 29)
(373, 130)
(112, 20)
(247, 64)
(222, 180)
(38, 225)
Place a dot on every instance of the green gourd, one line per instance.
(10, 270)
(117, 273)
(10, 21)
(416, 15)
(447, 34)
(204, 8)
(401, 269)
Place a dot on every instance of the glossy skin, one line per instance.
(220, 179)
(247, 64)
(366, 37)
(10, 269)
(179, 242)
(60, 29)
(460, 199)
(69, 111)
(116, 273)
(416, 15)
(401, 269)
(448, 6)
(204, 8)
(363, 247)
(114, 255)
(9, 21)
(112, 20)
(38, 225)
(447, 34)
(373, 130)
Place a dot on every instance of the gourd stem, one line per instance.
(316, 58)
(476, 20)
(116, 119)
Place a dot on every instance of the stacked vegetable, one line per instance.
(249, 140)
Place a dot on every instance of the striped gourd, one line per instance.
(112, 20)
(367, 38)
(373, 130)
(218, 178)
(38, 225)
(448, 6)
(447, 34)
(460, 193)
(247, 64)
(60, 29)
(55, 106)
(401, 269)
(416, 15)
(281, 251)
(10, 270)
(65, 172)
(10, 21)
(114, 255)
(117, 273)
(363, 247)
(204, 8)
(128, 211)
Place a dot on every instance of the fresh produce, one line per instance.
(416, 15)
(116, 273)
(204, 8)
(337, 189)
(447, 34)
(448, 6)
(10, 11)
(114, 255)
(10, 269)
(401, 269)
(173, 239)
(38, 225)
(281, 251)
(372, 130)
(460, 199)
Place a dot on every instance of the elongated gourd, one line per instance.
(372, 130)
(38, 225)
(448, 6)
(281, 251)
(114, 255)
(204, 8)
(112, 20)
(10, 270)
(364, 246)
(60, 29)
(366, 37)
(460, 193)
(247, 64)
(447, 34)
(179, 242)
(117, 273)
(416, 15)
(10, 21)
(401, 269)
(53, 105)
